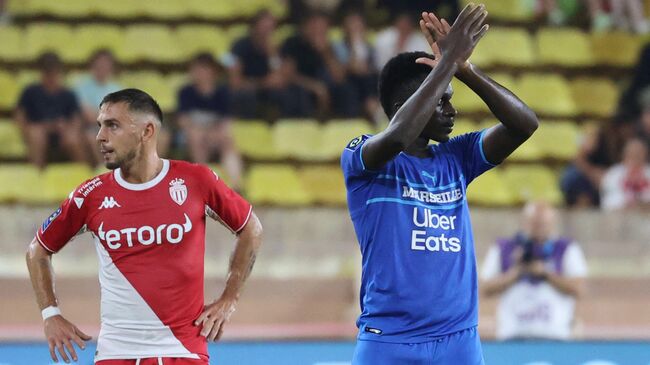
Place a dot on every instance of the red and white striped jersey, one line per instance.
(150, 240)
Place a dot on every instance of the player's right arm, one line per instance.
(57, 230)
(412, 116)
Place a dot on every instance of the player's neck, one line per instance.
(142, 170)
(419, 148)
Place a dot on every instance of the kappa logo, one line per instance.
(178, 191)
(109, 202)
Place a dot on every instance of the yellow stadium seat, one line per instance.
(465, 100)
(532, 182)
(118, 9)
(19, 183)
(298, 138)
(276, 184)
(490, 189)
(557, 139)
(17, 7)
(463, 125)
(9, 91)
(616, 48)
(505, 80)
(506, 9)
(195, 39)
(255, 140)
(69, 9)
(92, 37)
(26, 78)
(566, 47)
(595, 96)
(42, 37)
(529, 151)
(164, 9)
(11, 141)
(211, 9)
(546, 94)
(151, 43)
(282, 33)
(518, 52)
(59, 180)
(324, 184)
(13, 43)
(337, 133)
(153, 83)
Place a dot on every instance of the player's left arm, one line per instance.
(242, 260)
(518, 121)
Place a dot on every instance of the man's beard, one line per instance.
(121, 162)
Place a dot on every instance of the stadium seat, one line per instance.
(12, 145)
(616, 48)
(505, 79)
(59, 180)
(506, 9)
(529, 151)
(26, 78)
(211, 9)
(566, 47)
(19, 183)
(254, 140)
(92, 37)
(532, 182)
(153, 83)
(489, 189)
(9, 91)
(595, 96)
(42, 37)
(151, 43)
(298, 138)
(66, 9)
(324, 184)
(164, 9)
(117, 9)
(282, 33)
(557, 139)
(465, 100)
(13, 43)
(276, 184)
(546, 94)
(336, 134)
(519, 50)
(194, 39)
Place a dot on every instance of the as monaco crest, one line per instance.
(178, 191)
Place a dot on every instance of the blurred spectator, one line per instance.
(447, 9)
(581, 180)
(90, 89)
(308, 60)
(4, 14)
(402, 36)
(629, 107)
(48, 113)
(623, 15)
(556, 12)
(627, 185)
(538, 276)
(356, 54)
(203, 116)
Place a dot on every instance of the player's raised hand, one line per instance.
(459, 40)
(215, 316)
(60, 335)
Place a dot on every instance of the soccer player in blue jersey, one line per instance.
(407, 201)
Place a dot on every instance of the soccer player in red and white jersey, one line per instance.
(147, 217)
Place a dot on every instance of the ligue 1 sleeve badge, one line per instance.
(178, 191)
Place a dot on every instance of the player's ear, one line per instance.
(149, 130)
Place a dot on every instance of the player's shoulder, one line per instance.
(90, 186)
(356, 142)
(190, 169)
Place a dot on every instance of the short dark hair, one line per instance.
(206, 59)
(49, 62)
(137, 101)
(399, 79)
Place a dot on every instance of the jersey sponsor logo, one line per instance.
(145, 235)
(356, 142)
(429, 197)
(178, 191)
(91, 185)
(109, 202)
(422, 240)
(49, 219)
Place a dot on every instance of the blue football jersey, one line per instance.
(412, 222)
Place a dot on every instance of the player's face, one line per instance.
(119, 135)
(442, 121)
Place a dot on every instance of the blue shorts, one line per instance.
(460, 348)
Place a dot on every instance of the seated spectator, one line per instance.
(90, 89)
(48, 113)
(538, 275)
(623, 15)
(356, 54)
(556, 12)
(629, 107)
(203, 116)
(626, 185)
(402, 36)
(308, 60)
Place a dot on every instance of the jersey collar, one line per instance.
(144, 186)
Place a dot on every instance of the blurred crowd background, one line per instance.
(269, 91)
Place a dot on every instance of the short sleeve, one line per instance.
(491, 265)
(469, 148)
(222, 203)
(72, 104)
(25, 100)
(574, 263)
(64, 224)
(351, 160)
